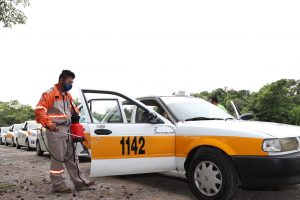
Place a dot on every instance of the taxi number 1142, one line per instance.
(132, 144)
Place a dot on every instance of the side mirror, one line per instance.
(24, 129)
(154, 119)
(247, 116)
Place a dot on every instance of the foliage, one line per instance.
(275, 102)
(13, 112)
(10, 14)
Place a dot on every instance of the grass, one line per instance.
(7, 187)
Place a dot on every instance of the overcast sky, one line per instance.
(150, 47)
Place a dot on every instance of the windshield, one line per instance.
(33, 126)
(17, 127)
(4, 129)
(186, 108)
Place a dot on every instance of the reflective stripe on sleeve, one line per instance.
(41, 107)
(57, 116)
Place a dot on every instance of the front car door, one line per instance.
(9, 135)
(23, 134)
(119, 146)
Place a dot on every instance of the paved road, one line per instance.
(23, 175)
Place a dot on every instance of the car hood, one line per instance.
(32, 131)
(244, 128)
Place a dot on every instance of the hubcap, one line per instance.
(208, 178)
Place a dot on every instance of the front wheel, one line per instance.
(39, 151)
(18, 146)
(212, 175)
(27, 147)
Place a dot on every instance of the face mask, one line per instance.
(67, 87)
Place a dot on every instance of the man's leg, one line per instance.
(72, 167)
(57, 145)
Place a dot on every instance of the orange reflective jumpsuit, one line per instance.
(55, 107)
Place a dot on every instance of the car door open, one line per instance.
(119, 146)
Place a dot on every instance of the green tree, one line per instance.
(294, 115)
(10, 14)
(76, 102)
(13, 112)
(274, 101)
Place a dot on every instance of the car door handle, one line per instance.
(102, 132)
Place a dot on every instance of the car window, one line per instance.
(4, 130)
(187, 108)
(17, 127)
(106, 111)
(111, 108)
(128, 109)
(154, 105)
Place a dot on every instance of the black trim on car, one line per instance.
(268, 171)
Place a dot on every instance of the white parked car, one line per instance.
(189, 135)
(3, 132)
(27, 135)
(10, 137)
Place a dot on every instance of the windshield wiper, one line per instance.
(229, 118)
(202, 118)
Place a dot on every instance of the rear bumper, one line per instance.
(270, 171)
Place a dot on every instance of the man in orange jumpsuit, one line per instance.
(54, 112)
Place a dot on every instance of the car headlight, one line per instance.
(280, 145)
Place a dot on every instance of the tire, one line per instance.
(13, 142)
(1, 143)
(27, 147)
(18, 146)
(215, 172)
(6, 144)
(38, 149)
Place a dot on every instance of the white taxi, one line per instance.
(27, 135)
(10, 136)
(216, 151)
(3, 132)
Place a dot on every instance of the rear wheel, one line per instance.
(27, 147)
(18, 146)
(39, 151)
(1, 143)
(212, 175)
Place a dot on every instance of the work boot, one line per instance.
(63, 189)
(85, 186)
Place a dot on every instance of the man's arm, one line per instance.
(41, 112)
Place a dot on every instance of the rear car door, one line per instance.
(120, 147)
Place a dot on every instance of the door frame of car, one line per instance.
(117, 163)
